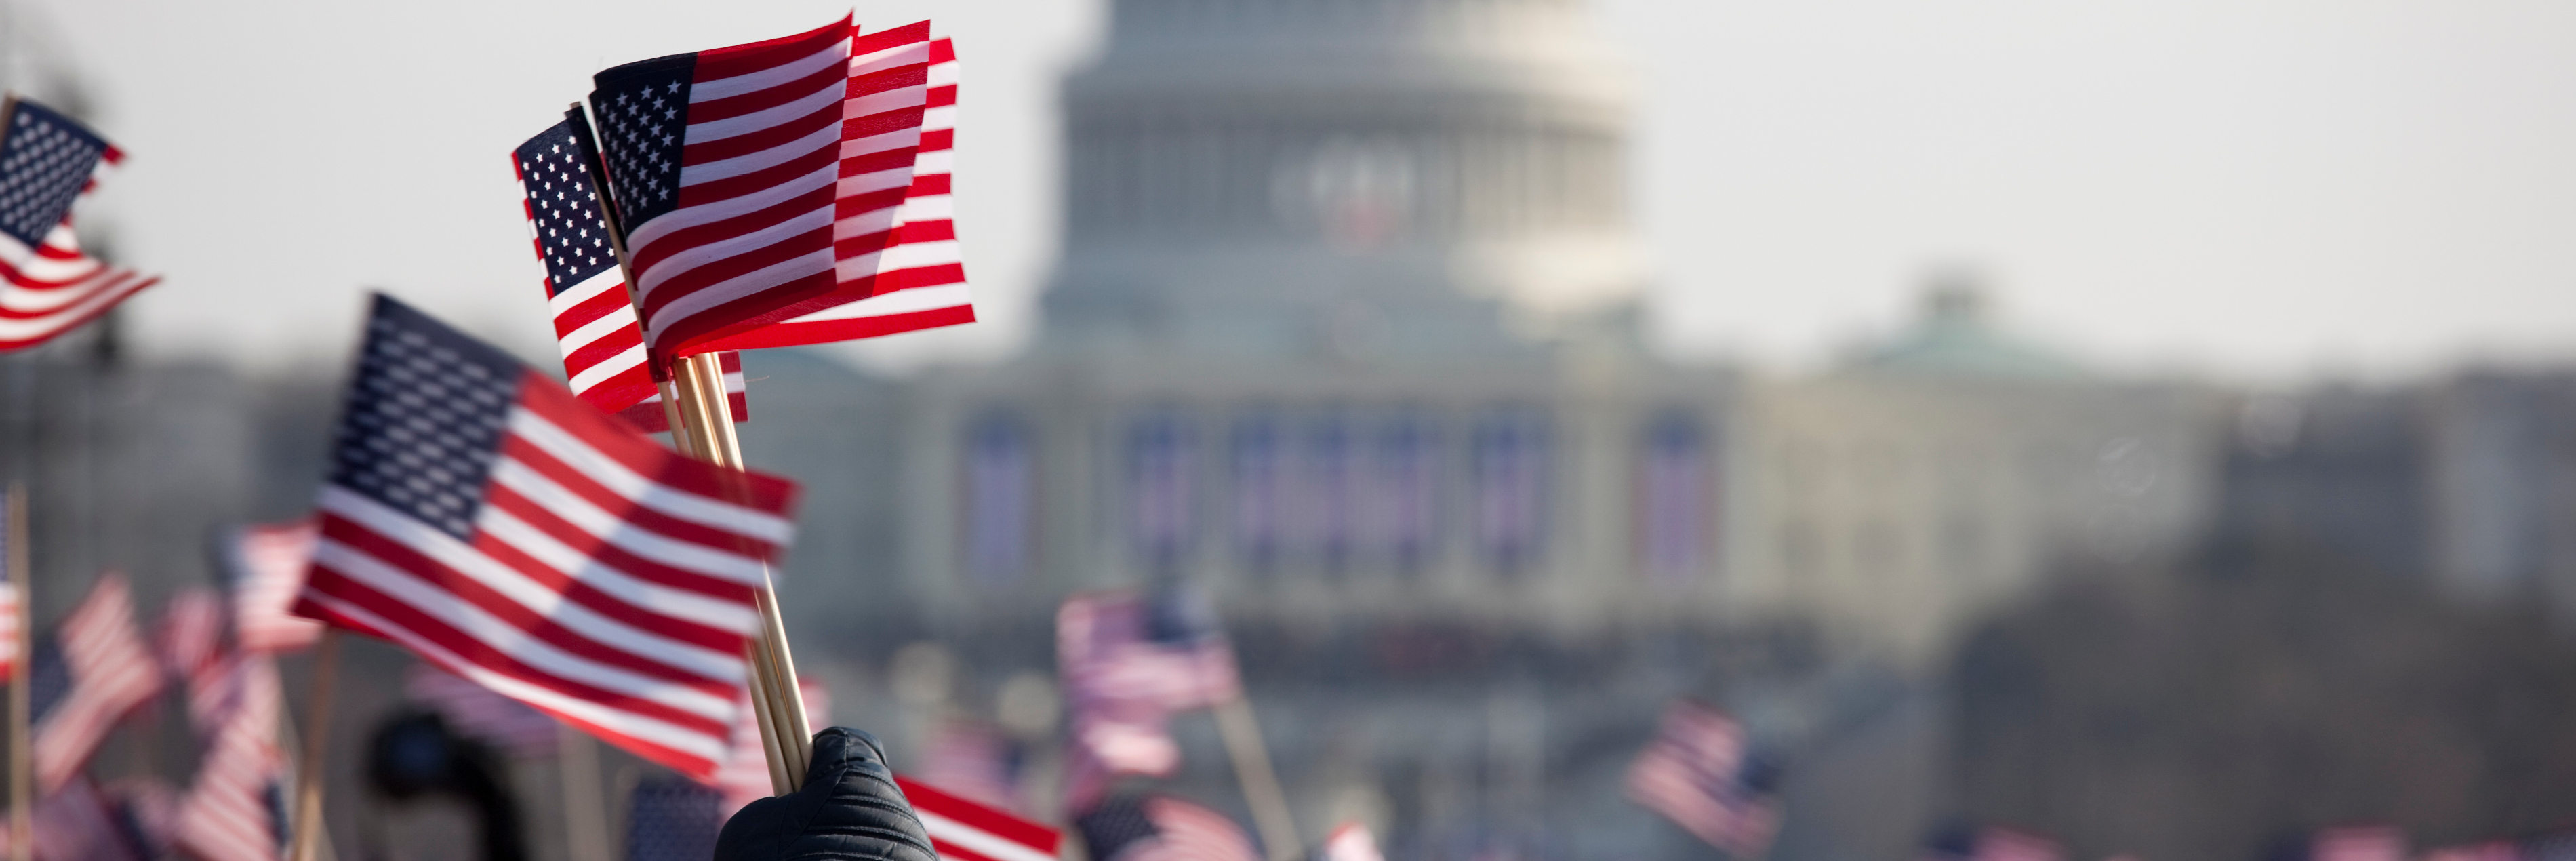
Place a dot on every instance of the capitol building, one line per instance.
(1347, 328)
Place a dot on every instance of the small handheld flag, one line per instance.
(1700, 773)
(481, 516)
(95, 672)
(47, 286)
(603, 349)
(963, 829)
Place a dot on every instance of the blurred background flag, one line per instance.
(190, 632)
(534, 545)
(478, 712)
(603, 349)
(1162, 828)
(75, 822)
(2005, 844)
(1129, 661)
(95, 672)
(1352, 842)
(47, 286)
(1699, 774)
(265, 566)
(963, 829)
(970, 759)
(2358, 843)
(673, 820)
(724, 164)
(235, 810)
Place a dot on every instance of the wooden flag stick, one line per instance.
(702, 428)
(317, 728)
(22, 767)
(1261, 790)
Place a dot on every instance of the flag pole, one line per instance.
(702, 428)
(317, 727)
(1234, 721)
(22, 782)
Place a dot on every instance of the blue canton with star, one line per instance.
(643, 111)
(425, 418)
(571, 234)
(45, 158)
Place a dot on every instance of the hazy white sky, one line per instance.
(2268, 189)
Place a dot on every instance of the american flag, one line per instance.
(236, 808)
(724, 163)
(10, 617)
(786, 192)
(897, 265)
(2005, 844)
(970, 759)
(75, 822)
(265, 566)
(1161, 828)
(480, 713)
(1128, 663)
(745, 775)
(1352, 842)
(47, 286)
(95, 672)
(191, 630)
(480, 515)
(1699, 773)
(2358, 843)
(673, 820)
(603, 349)
(963, 829)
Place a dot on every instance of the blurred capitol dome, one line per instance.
(1251, 176)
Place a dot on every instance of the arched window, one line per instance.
(1001, 500)
(1511, 473)
(1675, 493)
(1159, 489)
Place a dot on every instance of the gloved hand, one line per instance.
(849, 808)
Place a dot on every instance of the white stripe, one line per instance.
(914, 255)
(692, 216)
(945, 830)
(626, 483)
(929, 207)
(545, 601)
(881, 59)
(932, 161)
(103, 291)
(720, 88)
(771, 157)
(508, 639)
(875, 180)
(942, 118)
(600, 524)
(899, 98)
(880, 142)
(744, 285)
(599, 327)
(943, 74)
(730, 247)
(765, 118)
(710, 747)
(677, 604)
(606, 280)
(897, 302)
(609, 367)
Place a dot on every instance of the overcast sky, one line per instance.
(2264, 191)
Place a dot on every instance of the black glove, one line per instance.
(849, 808)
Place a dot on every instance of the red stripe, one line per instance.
(828, 331)
(324, 580)
(755, 56)
(471, 592)
(882, 39)
(881, 122)
(979, 816)
(933, 140)
(706, 331)
(803, 205)
(771, 96)
(939, 230)
(942, 50)
(646, 519)
(941, 96)
(895, 78)
(593, 308)
(602, 434)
